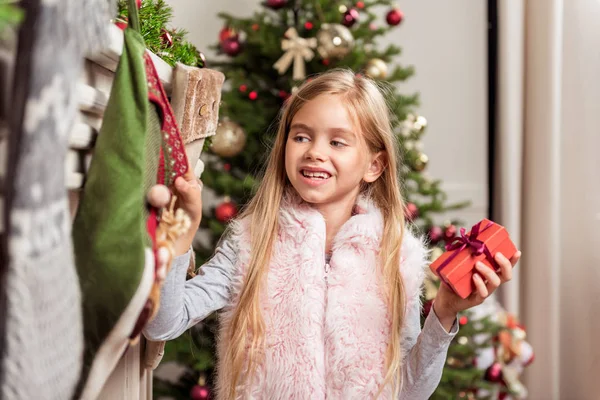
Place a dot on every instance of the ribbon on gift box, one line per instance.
(471, 242)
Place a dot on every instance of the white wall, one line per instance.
(447, 44)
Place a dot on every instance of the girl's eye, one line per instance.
(335, 143)
(301, 139)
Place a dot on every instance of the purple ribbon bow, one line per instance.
(462, 242)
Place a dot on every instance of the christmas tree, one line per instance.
(268, 55)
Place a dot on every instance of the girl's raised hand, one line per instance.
(448, 304)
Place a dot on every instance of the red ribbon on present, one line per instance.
(471, 242)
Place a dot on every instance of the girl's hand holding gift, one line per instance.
(448, 304)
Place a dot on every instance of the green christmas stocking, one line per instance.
(116, 236)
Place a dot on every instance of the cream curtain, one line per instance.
(548, 186)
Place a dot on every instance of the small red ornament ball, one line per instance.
(231, 46)
(435, 234)
(360, 4)
(325, 62)
(166, 38)
(138, 3)
(411, 211)
(494, 373)
(225, 211)
(308, 25)
(463, 320)
(199, 393)
(350, 17)
(450, 233)
(253, 95)
(227, 167)
(275, 4)
(394, 17)
(283, 94)
(243, 88)
(226, 33)
(255, 27)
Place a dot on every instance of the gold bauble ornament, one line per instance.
(420, 123)
(376, 68)
(335, 41)
(229, 139)
(421, 162)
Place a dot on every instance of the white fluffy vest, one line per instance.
(326, 332)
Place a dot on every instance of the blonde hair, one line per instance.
(367, 105)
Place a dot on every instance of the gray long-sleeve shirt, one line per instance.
(185, 303)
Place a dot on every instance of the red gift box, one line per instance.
(456, 266)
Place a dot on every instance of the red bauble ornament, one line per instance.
(225, 211)
(243, 88)
(275, 4)
(255, 27)
(199, 392)
(253, 95)
(463, 320)
(138, 3)
(350, 17)
(166, 38)
(308, 25)
(283, 94)
(411, 211)
(226, 33)
(435, 234)
(231, 46)
(494, 373)
(360, 4)
(325, 61)
(227, 167)
(450, 233)
(394, 17)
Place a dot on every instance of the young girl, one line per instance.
(318, 281)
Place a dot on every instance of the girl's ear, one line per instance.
(378, 164)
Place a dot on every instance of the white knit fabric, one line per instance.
(43, 339)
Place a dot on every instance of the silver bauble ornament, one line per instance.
(335, 41)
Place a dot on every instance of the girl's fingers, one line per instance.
(515, 259)
(480, 285)
(505, 267)
(493, 280)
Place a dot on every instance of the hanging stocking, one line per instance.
(42, 341)
(116, 236)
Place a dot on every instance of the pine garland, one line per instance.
(155, 15)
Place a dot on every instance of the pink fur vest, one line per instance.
(327, 325)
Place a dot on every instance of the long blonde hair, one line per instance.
(367, 105)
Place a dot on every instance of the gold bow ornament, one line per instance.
(297, 50)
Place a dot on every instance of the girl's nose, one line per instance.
(316, 152)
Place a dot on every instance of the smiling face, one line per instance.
(326, 156)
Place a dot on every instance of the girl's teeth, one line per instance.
(317, 175)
